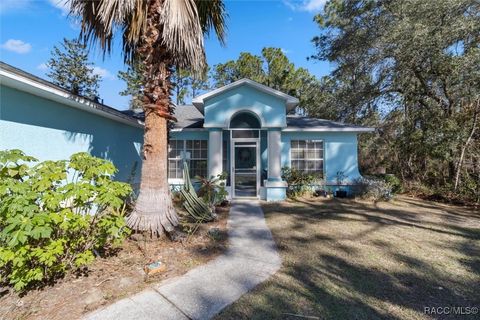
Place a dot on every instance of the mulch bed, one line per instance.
(110, 279)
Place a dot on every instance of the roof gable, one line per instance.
(291, 102)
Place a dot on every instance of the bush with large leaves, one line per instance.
(54, 215)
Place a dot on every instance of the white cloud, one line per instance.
(17, 46)
(285, 51)
(314, 5)
(10, 5)
(305, 5)
(63, 5)
(42, 67)
(104, 73)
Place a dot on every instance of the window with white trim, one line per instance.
(194, 152)
(307, 156)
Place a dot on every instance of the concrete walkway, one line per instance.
(204, 291)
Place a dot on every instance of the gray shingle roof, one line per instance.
(187, 117)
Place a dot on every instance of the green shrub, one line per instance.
(299, 183)
(55, 214)
(213, 190)
(394, 182)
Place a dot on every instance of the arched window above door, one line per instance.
(244, 120)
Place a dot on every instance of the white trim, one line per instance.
(188, 129)
(215, 153)
(175, 181)
(275, 184)
(324, 166)
(289, 129)
(250, 110)
(256, 143)
(328, 129)
(184, 156)
(274, 154)
(22, 83)
(291, 102)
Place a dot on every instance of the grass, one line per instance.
(344, 259)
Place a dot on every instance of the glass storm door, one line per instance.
(245, 169)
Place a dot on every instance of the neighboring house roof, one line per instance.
(27, 82)
(291, 102)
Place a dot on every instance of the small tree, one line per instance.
(200, 83)
(180, 81)
(134, 79)
(70, 69)
(188, 85)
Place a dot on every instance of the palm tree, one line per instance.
(160, 34)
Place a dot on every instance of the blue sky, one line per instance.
(30, 28)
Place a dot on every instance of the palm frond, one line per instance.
(101, 18)
(182, 34)
(212, 15)
(182, 25)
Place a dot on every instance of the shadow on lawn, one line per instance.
(339, 275)
(348, 210)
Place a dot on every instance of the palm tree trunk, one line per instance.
(154, 211)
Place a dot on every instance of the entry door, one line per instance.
(245, 169)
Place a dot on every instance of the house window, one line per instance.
(175, 154)
(307, 156)
(196, 155)
(194, 152)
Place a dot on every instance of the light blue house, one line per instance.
(244, 129)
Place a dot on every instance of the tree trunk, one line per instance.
(154, 211)
(467, 142)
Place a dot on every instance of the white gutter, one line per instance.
(188, 129)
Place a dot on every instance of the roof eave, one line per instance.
(188, 129)
(328, 129)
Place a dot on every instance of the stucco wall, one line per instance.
(49, 130)
(220, 108)
(340, 152)
(189, 135)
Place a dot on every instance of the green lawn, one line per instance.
(344, 259)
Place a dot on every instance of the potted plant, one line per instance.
(341, 192)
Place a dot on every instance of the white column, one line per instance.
(274, 155)
(215, 138)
